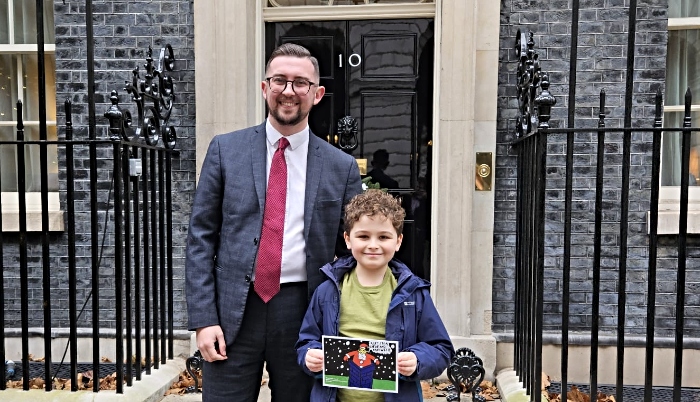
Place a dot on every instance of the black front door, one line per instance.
(379, 73)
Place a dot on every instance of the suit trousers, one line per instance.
(267, 335)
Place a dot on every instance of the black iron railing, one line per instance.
(139, 203)
(537, 256)
(128, 182)
(123, 195)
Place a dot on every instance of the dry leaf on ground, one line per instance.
(429, 392)
(575, 395)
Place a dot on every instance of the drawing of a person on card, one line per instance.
(362, 366)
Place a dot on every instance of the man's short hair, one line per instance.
(380, 158)
(374, 202)
(294, 50)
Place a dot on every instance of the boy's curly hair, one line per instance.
(374, 202)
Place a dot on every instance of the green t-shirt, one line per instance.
(363, 312)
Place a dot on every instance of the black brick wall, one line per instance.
(601, 65)
(123, 32)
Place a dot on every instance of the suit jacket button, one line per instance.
(255, 241)
(247, 278)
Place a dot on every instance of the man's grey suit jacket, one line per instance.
(227, 216)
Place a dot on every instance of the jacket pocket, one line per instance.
(323, 204)
(409, 322)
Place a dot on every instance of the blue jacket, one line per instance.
(412, 320)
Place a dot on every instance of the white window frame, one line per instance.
(10, 200)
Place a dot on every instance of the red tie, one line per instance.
(267, 272)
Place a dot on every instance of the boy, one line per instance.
(369, 295)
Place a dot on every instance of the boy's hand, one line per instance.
(314, 360)
(407, 363)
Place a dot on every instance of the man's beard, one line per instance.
(288, 121)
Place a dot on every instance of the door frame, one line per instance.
(229, 68)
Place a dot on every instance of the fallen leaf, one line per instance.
(545, 381)
(428, 391)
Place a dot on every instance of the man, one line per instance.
(380, 161)
(266, 216)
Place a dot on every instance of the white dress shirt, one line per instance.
(294, 245)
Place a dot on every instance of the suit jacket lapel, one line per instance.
(259, 156)
(314, 167)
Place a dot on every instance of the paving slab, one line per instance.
(265, 395)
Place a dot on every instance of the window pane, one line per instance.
(32, 163)
(33, 160)
(25, 21)
(4, 23)
(8, 168)
(31, 87)
(671, 158)
(8, 87)
(683, 8)
(683, 66)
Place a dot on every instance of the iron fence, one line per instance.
(544, 249)
(139, 204)
(126, 179)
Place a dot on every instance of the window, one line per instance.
(19, 80)
(682, 72)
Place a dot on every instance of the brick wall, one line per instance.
(123, 31)
(601, 65)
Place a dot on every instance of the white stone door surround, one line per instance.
(229, 67)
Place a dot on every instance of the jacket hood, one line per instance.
(406, 281)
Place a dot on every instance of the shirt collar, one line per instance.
(295, 140)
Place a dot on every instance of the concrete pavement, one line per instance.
(264, 396)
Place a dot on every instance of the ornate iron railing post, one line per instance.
(154, 96)
(534, 114)
(544, 102)
(467, 370)
(119, 120)
(534, 110)
(192, 364)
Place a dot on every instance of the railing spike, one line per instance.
(601, 113)
(68, 107)
(688, 100)
(659, 108)
(20, 120)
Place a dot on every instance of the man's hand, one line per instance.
(407, 363)
(206, 339)
(314, 360)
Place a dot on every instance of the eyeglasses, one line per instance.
(300, 86)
